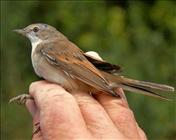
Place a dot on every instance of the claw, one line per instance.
(37, 128)
(21, 99)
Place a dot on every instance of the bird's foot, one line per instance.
(21, 99)
(36, 128)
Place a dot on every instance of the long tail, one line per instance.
(146, 88)
(141, 87)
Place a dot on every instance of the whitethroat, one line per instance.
(58, 60)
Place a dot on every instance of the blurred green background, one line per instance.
(139, 36)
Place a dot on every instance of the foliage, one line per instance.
(140, 36)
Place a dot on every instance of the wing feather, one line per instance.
(68, 57)
(103, 65)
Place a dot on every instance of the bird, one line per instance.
(56, 59)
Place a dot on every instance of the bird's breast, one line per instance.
(54, 74)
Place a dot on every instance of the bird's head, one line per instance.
(40, 32)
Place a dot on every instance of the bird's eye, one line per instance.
(35, 29)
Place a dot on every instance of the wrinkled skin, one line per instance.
(62, 115)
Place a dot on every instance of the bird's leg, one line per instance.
(21, 99)
(37, 128)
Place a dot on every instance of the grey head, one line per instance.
(40, 31)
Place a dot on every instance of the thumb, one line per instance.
(31, 107)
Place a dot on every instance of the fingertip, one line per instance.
(141, 133)
(43, 90)
(36, 84)
(121, 93)
(119, 112)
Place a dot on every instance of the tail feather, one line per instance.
(143, 91)
(149, 85)
(146, 88)
(142, 87)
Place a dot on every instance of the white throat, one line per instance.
(34, 45)
(34, 42)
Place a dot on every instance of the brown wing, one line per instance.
(103, 65)
(69, 57)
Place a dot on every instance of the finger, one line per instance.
(141, 133)
(60, 116)
(31, 107)
(123, 98)
(37, 134)
(120, 114)
(96, 118)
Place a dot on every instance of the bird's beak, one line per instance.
(20, 31)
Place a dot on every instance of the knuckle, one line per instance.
(55, 94)
(32, 87)
(86, 103)
(36, 83)
(112, 104)
(126, 115)
(85, 100)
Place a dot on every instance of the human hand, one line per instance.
(62, 115)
